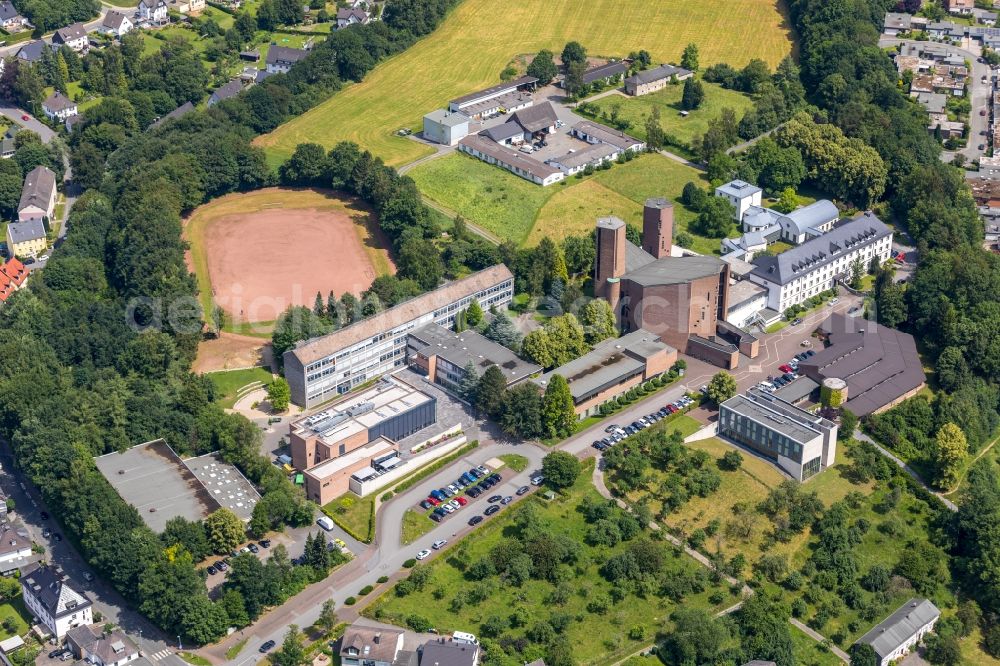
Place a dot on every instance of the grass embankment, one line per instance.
(400, 91)
(235, 650)
(596, 637)
(229, 382)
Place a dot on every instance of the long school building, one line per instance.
(325, 367)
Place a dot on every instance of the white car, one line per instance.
(448, 507)
(424, 554)
(438, 545)
(455, 504)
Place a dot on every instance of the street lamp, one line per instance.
(179, 646)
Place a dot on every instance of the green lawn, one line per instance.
(415, 525)
(235, 650)
(14, 610)
(354, 515)
(515, 461)
(228, 382)
(595, 638)
(810, 653)
(194, 659)
(683, 129)
(518, 210)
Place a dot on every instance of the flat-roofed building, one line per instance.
(903, 630)
(332, 478)
(880, 365)
(446, 127)
(325, 367)
(490, 101)
(799, 442)
(741, 195)
(746, 301)
(444, 355)
(612, 368)
(391, 408)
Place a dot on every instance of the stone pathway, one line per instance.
(906, 468)
(820, 639)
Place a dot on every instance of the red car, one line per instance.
(785, 368)
(433, 501)
(25, 117)
(462, 501)
(671, 408)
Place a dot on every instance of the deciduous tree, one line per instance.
(558, 417)
(225, 530)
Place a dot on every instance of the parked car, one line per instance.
(785, 368)
(266, 647)
(439, 512)
(599, 445)
(490, 510)
(426, 504)
(436, 518)
(439, 544)
(483, 470)
(495, 478)
(475, 520)
(537, 479)
(611, 428)
(461, 501)
(522, 490)
(448, 508)
(796, 321)
(494, 498)
(424, 554)
(253, 548)
(438, 495)
(265, 543)
(474, 492)
(211, 570)
(507, 500)
(222, 566)
(834, 301)
(810, 353)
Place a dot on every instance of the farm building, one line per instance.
(446, 127)
(504, 97)
(651, 80)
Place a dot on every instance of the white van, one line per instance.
(325, 523)
(464, 637)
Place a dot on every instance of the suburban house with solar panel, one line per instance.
(813, 267)
(49, 597)
(899, 633)
(799, 442)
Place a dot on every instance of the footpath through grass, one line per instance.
(598, 620)
(474, 44)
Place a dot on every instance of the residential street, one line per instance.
(980, 95)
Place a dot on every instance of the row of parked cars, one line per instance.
(448, 500)
(790, 372)
(223, 564)
(617, 433)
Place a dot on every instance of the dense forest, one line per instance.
(98, 350)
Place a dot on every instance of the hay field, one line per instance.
(476, 42)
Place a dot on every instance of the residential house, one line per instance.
(100, 648)
(370, 646)
(912, 63)
(58, 106)
(940, 29)
(26, 239)
(933, 102)
(896, 23)
(449, 652)
(10, 19)
(348, 16)
(194, 7)
(180, 111)
(38, 195)
(741, 195)
(153, 11)
(935, 83)
(281, 58)
(14, 276)
(903, 630)
(962, 7)
(116, 24)
(651, 80)
(802, 272)
(73, 36)
(946, 129)
(227, 91)
(15, 546)
(50, 598)
(32, 51)
(984, 16)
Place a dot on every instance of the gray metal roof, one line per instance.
(448, 653)
(605, 71)
(814, 253)
(605, 134)
(447, 118)
(900, 626)
(738, 188)
(897, 20)
(674, 270)
(183, 109)
(816, 213)
(227, 91)
(494, 91)
(777, 415)
(503, 132)
(657, 73)
(468, 346)
(609, 362)
(535, 118)
(635, 256)
(934, 102)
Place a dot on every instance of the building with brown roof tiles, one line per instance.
(325, 367)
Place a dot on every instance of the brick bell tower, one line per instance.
(610, 263)
(658, 227)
